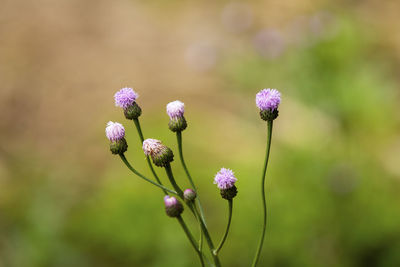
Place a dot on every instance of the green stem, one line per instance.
(201, 232)
(191, 238)
(165, 190)
(260, 245)
(179, 140)
(194, 210)
(139, 130)
(208, 238)
(172, 180)
(198, 218)
(230, 201)
(143, 177)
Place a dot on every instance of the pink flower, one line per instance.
(225, 179)
(115, 131)
(125, 97)
(175, 109)
(268, 99)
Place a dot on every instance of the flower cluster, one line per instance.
(267, 100)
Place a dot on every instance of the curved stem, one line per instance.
(172, 180)
(179, 139)
(264, 226)
(230, 201)
(143, 177)
(139, 130)
(191, 238)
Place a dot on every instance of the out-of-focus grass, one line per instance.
(332, 184)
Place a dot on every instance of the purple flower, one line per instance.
(152, 146)
(268, 99)
(170, 201)
(115, 131)
(225, 179)
(125, 97)
(175, 109)
(173, 207)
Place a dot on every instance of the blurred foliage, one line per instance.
(333, 179)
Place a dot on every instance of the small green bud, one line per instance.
(118, 146)
(177, 124)
(164, 157)
(133, 111)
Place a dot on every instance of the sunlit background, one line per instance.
(333, 182)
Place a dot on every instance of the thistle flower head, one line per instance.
(170, 201)
(173, 207)
(125, 97)
(268, 99)
(225, 179)
(175, 109)
(189, 195)
(159, 153)
(115, 131)
(151, 146)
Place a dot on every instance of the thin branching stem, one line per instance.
(191, 238)
(164, 189)
(230, 201)
(179, 139)
(264, 202)
(143, 177)
(139, 130)
(180, 148)
(194, 210)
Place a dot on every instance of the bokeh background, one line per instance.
(334, 176)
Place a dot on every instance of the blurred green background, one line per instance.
(334, 176)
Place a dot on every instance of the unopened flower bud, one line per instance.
(175, 111)
(268, 101)
(173, 207)
(159, 153)
(115, 132)
(189, 195)
(225, 180)
(126, 99)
